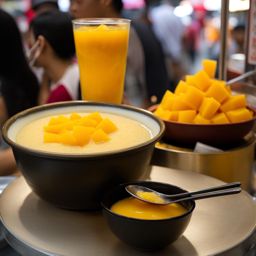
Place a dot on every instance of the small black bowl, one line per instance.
(146, 235)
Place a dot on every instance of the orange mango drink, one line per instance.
(101, 48)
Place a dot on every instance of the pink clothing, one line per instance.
(67, 87)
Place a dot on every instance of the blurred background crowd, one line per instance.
(168, 39)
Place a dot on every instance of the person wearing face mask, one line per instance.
(52, 48)
(146, 76)
(18, 84)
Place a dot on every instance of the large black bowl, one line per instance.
(146, 235)
(77, 181)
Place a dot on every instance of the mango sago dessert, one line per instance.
(201, 99)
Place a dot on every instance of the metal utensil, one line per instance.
(227, 189)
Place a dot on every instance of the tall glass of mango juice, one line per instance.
(101, 48)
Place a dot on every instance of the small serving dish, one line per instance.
(144, 234)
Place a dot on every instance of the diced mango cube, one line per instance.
(83, 134)
(239, 115)
(193, 97)
(234, 102)
(209, 107)
(174, 115)
(166, 102)
(95, 116)
(209, 67)
(58, 120)
(202, 80)
(56, 128)
(186, 116)
(99, 136)
(181, 87)
(107, 126)
(179, 103)
(218, 91)
(74, 116)
(200, 120)
(51, 137)
(220, 118)
(68, 138)
(190, 79)
(85, 121)
(162, 113)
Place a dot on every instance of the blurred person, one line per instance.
(170, 31)
(18, 84)
(40, 6)
(143, 81)
(52, 48)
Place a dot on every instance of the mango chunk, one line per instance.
(95, 116)
(107, 126)
(86, 121)
(234, 102)
(220, 118)
(186, 116)
(58, 120)
(75, 116)
(190, 79)
(202, 80)
(209, 107)
(239, 115)
(179, 103)
(167, 102)
(174, 115)
(68, 138)
(57, 128)
(200, 120)
(193, 97)
(99, 136)
(83, 134)
(51, 137)
(162, 113)
(182, 87)
(218, 91)
(209, 66)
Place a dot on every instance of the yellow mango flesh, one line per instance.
(182, 87)
(78, 130)
(202, 80)
(239, 115)
(200, 120)
(166, 102)
(220, 118)
(209, 66)
(209, 97)
(193, 97)
(107, 125)
(209, 107)
(186, 116)
(234, 102)
(179, 103)
(218, 91)
(99, 136)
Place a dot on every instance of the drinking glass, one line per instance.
(101, 48)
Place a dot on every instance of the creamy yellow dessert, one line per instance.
(150, 196)
(122, 132)
(134, 208)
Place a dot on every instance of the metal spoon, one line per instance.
(227, 189)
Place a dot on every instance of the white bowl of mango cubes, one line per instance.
(203, 109)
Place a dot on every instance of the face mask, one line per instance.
(34, 53)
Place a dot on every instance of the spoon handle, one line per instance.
(208, 194)
(228, 185)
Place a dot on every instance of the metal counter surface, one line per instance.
(223, 225)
